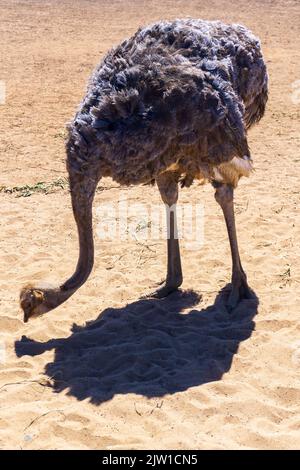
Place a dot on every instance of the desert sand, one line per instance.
(105, 370)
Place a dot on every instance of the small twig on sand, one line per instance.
(140, 256)
(43, 384)
(41, 416)
(144, 261)
(155, 407)
(137, 412)
(145, 245)
(112, 265)
(158, 405)
(240, 208)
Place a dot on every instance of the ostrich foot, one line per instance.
(239, 291)
(164, 290)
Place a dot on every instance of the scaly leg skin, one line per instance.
(239, 286)
(168, 187)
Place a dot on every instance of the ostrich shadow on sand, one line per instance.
(149, 347)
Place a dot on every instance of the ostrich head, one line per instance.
(31, 302)
(36, 301)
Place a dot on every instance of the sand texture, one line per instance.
(106, 370)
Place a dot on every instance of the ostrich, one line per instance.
(169, 105)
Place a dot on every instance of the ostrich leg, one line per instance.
(240, 289)
(38, 300)
(168, 188)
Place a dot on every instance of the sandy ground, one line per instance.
(105, 370)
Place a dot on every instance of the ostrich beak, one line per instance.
(26, 315)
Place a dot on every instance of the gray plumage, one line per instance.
(181, 92)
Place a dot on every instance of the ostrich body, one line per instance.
(171, 104)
